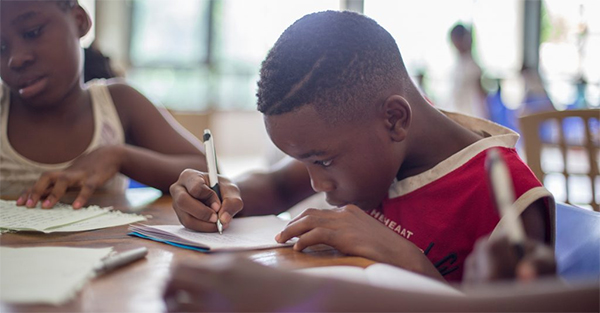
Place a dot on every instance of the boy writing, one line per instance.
(409, 181)
(59, 134)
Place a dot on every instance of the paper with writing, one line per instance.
(246, 233)
(61, 218)
(110, 219)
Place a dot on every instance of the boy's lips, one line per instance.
(32, 87)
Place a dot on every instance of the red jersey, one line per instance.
(443, 211)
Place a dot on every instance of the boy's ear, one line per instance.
(82, 20)
(398, 116)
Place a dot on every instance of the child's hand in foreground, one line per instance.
(232, 284)
(498, 260)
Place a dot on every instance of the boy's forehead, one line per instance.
(303, 132)
(305, 118)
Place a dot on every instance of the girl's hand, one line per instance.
(87, 173)
(197, 206)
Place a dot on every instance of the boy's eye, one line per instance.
(34, 33)
(3, 47)
(325, 163)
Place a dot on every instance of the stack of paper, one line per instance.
(61, 218)
(49, 275)
(246, 233)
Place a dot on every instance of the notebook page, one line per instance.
(385, 276)
(388, 276)
(15, 217)
(110, 219)
(345, 272)
(48, 275)
(246, 233)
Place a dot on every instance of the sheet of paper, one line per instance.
(385, 276)
(61, 218)
(46, 275)
(110, 219)
(353, 274)
(246, 233)
(15, 217)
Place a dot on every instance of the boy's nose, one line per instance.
(320, 183)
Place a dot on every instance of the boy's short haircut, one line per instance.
(340, 62)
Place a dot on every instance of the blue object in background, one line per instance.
(135, 184)
(577, 248)
(580, 101)
(499, 113)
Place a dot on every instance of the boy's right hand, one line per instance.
(197, 206)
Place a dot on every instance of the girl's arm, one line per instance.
(158, 149)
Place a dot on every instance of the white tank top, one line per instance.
(18, 173)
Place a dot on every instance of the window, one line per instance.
(200, 54)
(569, 50)
(421, 29)
(168, 51)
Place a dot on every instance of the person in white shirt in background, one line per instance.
(467, 95)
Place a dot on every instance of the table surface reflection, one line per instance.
(138, 287)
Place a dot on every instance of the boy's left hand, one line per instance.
(87, 173)
(348, 229)
(352, 231)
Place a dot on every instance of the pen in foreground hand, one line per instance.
(211, 161)
(504, 194)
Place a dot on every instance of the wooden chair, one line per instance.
(572, 132)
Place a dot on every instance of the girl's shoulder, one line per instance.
(134, 108)
(127, 101)
(4, 94)
(124, 95)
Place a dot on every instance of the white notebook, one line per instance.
(384, 275)
(61, 218)
(245, 233)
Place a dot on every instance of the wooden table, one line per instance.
(138, 287)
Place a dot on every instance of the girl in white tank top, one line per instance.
(18, 173)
